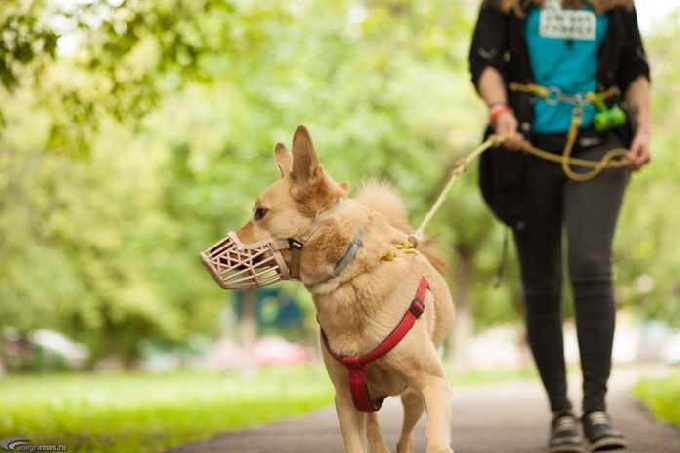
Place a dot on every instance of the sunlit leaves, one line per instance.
(149, 130)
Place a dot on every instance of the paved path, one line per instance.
(504, 418)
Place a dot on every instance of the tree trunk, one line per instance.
(249, 326)
(462, 323)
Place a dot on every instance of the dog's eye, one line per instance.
(259, 213)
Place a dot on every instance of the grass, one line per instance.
(146, 412)
(150, 412)
(662, 397)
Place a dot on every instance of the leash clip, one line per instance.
(553, 96)
(581, 100)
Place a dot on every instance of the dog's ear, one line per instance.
(305, 163)
(284, 159)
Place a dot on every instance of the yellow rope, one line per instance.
(607, 161)
(565, 160)
(614, 158)
(544, 92)
(456, 173)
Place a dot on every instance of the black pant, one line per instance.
(587, 213)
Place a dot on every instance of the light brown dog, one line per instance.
(359, 306)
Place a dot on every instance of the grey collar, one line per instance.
(350, 254)
(347, 258)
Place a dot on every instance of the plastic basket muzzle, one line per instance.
(235, 265)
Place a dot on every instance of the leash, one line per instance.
(456, 173)
(554, 96)
(607, 161)
(614, 158)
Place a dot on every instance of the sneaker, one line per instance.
(601, 435)
(564, 435)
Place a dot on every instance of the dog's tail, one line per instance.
(430, 248)
(383, 198)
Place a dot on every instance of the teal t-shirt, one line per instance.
(563, 47)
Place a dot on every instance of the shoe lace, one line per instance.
(598, 418)
(565, 423)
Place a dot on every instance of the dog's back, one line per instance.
(382, 197)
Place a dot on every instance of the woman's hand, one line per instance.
(506, 125)
(638, 97)
(640, 153)
(492, 88)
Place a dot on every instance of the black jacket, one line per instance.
(499, 41)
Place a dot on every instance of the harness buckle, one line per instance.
(417, 307)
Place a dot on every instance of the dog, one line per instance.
(355, 258)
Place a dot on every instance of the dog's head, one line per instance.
(284, 217)
(288, 208)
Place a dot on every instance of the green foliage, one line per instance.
(125, 154)
(648, 246)
(27, 39)
(662, 397)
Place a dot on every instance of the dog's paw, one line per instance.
(439, 449)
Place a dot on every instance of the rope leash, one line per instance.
(614, 158)
(607, 161)
(554, 96)
(456, 173)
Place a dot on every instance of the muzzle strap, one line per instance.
(295, 256)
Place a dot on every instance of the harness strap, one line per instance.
(358, 382)
(551, 92)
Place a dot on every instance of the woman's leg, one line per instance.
(539, 249)
(591, 210)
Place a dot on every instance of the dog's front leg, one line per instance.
(437, 396)
(426, 376)
(352, 423)
(376, 442)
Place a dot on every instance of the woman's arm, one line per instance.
(491, 87)
(633, 79)
(487, 65)
(633, 62)
(638, 97)
(489, 42)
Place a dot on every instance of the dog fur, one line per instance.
(360, 307)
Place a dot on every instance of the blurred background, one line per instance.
(135, 133)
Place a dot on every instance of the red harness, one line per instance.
(355, 364)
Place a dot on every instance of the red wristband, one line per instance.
(499, 110)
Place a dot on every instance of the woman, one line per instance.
(534, 62)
